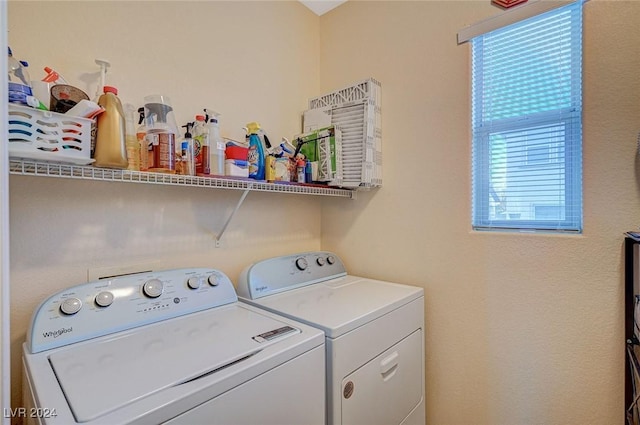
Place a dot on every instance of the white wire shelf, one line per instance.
(84, 172)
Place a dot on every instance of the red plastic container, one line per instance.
(236, 152)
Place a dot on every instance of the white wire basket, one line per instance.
(48, 136)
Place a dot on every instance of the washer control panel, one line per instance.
(112, 305)
(280, 274)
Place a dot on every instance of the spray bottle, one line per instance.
(131, 141)
(54, 76)
(146, 154)
(270, 156)
(187, 166)
(217, 143)
(162, 132)
(256, 152)
(201, 145)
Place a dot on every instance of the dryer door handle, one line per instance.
(388, 365)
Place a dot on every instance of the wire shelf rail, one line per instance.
(88, 172)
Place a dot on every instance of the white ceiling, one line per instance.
(320, 7)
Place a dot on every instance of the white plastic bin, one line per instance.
(48, 136)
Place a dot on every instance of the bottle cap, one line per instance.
(253, 128)
(199, 117)
(110, 89)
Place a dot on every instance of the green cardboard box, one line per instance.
(324, 148)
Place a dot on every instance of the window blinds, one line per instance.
(527, 125)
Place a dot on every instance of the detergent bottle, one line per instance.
(19, 81)
(111, 150)
(256, 156)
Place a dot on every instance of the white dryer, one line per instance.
(172, 347)
(374, 334)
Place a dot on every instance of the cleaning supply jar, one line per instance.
(161, 132)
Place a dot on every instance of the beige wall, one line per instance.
(250, 61)
(521, 328)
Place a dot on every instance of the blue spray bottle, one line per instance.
(256, 156)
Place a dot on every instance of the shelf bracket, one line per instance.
(235, 210)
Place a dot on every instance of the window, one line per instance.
(527, 124)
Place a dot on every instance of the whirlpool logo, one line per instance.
(57, 333)
(261, 288)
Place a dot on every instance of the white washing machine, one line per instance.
(374, 334)
(172, 347)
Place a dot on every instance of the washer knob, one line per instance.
(301, 263)
(104, 299)
(71, 306)
(213, 280)
(320, 261)
(193, 282)
(153, 288)
(331, 259)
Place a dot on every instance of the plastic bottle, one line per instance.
(218, 145)
(268, 149)
(19, 81)
(201, 145)
(131, 141)
(300, 164)
(308, 172)
(256, 156)
(111, 151)
(188, 155)
(146, 154)
(270, 168)
(161, 132)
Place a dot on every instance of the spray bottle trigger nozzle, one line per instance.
(188, 126)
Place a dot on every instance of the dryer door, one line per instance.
(385, 390)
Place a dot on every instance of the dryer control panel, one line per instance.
(274, 275)
(112, 305)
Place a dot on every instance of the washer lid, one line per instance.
(103, 375)
(340, 305)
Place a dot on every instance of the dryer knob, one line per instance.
(71, 306)
(301, 263)
(331, 259)
(104, 299)
(213, 280)
(153, 288)
(320, 261)
(193, 282)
